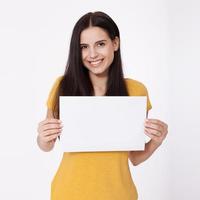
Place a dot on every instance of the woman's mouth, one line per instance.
(96, 63)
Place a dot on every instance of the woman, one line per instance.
(94, 68)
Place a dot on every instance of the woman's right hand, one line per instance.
(48, 131)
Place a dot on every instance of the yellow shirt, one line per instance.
(95, 175)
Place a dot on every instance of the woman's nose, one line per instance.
(93, 53)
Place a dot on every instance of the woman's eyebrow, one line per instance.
(95, 42)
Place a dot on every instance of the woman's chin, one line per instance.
(98, 72)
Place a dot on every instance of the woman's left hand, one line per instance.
(156, 130)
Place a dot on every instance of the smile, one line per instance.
(95, 63)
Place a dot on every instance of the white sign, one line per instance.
(102, 123)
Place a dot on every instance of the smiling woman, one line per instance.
(97, 51)
(94, 68)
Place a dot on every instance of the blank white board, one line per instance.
(102, 123)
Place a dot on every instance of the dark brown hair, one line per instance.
(76, 81)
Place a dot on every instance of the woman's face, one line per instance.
(97, 50)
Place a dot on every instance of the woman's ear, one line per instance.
(116, 43)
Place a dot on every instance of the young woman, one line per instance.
(94, 68)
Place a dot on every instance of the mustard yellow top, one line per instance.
(95, 175)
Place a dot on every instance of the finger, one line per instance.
(154, 126)
(49, 121)
(51, 126)
(165, 132)
(156, 121)
(51, 132)
(150, 135)
(153, 132)
(51, 137)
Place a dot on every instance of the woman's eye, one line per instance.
(83, 47)
(101, 44)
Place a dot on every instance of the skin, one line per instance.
(97, 55)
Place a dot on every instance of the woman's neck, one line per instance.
(99, 83)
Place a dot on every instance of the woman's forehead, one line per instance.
(93, 34)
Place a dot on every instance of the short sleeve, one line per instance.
(136, 88)
(145, 91)
(52, 95)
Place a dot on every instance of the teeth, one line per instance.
(96, 62)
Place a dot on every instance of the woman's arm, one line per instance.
(157, 131)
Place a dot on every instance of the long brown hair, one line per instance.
(76, 81)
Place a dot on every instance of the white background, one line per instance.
(160, 47)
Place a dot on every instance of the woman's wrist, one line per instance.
(45, 146)
(152, 145)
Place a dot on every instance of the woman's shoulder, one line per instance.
(135, 87)
(57, 82)
(133, 83)
(59, 79)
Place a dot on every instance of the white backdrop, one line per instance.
(160, 47)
